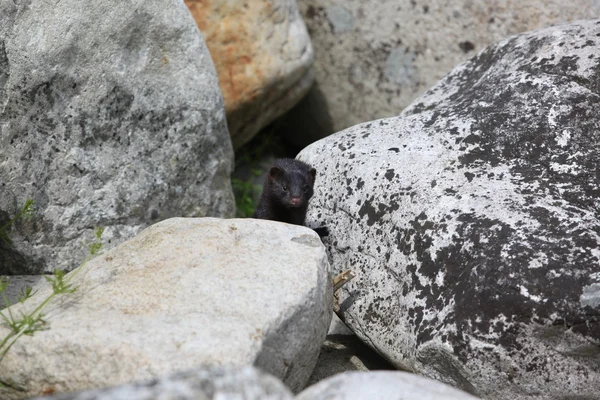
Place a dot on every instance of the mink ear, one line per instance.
(313, 173)
(275, 173)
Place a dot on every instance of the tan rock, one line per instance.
(183, 293)
(263, 56)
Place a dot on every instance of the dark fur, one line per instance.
(287, 189)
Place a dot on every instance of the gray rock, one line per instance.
(472, 221)
(340, 19)
(200, 384)
(373, 57)
(110, 115)
(381, 385)
(184, 292)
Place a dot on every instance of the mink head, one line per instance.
(291, 183)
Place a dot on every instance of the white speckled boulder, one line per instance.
(472, 221)
(200, 384)
(263, 56)
(373, 57)
(381, 385)
(183, 293)
(110, 115)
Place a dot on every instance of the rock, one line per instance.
(381, 385)
(201, 384)
(337, 327)
(372, 57)
(183, 293)
(111, 116)
(341, 353)
(16, 284)
(263, 56)
(472, 221)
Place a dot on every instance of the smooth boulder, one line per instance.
(183, 293)
(472, 221)
(111, 115)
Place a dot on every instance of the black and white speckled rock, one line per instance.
(201, 384)
(110, 115)
(473, 221)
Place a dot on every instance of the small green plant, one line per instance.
(245, 194)
(267, 143)
(26, 212)
(31, 322)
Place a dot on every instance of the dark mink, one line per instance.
(286, 191)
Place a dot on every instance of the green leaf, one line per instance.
(26, 212)
(3, 284)
(28, 209)
(26, 293)
(59, 285)
(97, 244)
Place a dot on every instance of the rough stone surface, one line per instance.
(263, 56)
(183, 293)
(110, 115)
(472, 221)
(200, 384)
(381, 385)
(373, 57)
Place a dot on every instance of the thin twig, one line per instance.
(343, 278)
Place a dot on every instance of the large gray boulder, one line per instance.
(110, 115)
(373, 57)
(185, 292)
(472, 221)
(198, 384)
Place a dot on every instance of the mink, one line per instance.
(287, 189)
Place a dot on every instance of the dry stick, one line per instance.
(341, 279)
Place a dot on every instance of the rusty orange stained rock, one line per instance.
(233, 47)
(263, 57)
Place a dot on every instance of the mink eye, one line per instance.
(305, 189)
(284, 187)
